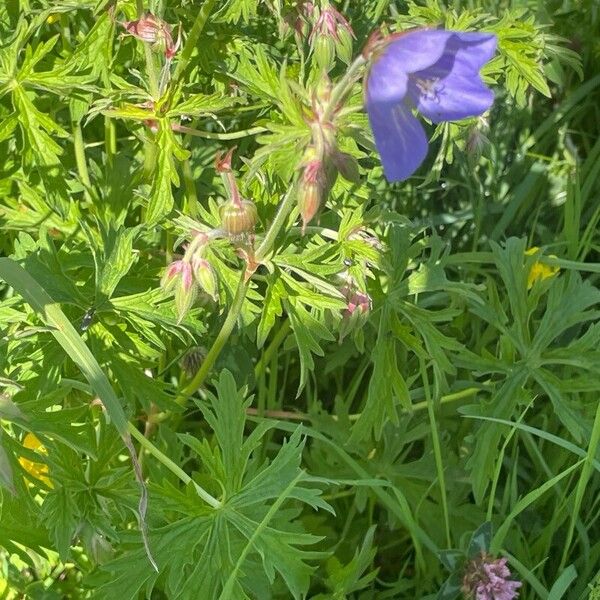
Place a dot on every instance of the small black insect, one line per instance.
(87, 319)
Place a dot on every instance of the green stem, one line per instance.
(191, 197)
(150, 62)
(219, 343)
(174, 468)
(193, 37)
(152, 72)
(273, 346)
(437, 451)
(232, 135)
(342, 88)
(80, 157)
(282, 214)
(298, 416)
(582, 484)
(110, 140)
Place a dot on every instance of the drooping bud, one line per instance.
(358, 307)
(154, 31)
(179, 278)
(171, 276)
(311, 191)
(205, 276)
(186, 291)
(347, 166)
(357, 301)
(316, 181)
(192, 360)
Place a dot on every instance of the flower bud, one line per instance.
(205, 276)
(171, 276)
(347, 166)
(311, 191)
(154, 31)
(317, 180)
(357, 301)
(239, 217)
(186, 291)
(192, 360)
(358, 306)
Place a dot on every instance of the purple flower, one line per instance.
(434, 71)
(488, 579)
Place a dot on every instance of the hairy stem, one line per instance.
(219, 343)
(193, 36)
(209, 135)
(285, 209)
(343, 87)
(150, 62)
(80, 158)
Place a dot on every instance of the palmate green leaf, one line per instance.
(118, 260)
(569, 299)
(272, 308)
(65, 334)
(200, 105)
(387, 387)
(59, 513)
(7, 126)
(94, 51)
(258, 74)
(160, 202)
(43, 151)
(354, 576)
(239, 10)
(309, 333)
(227, 552)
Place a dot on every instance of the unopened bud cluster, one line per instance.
(358, 306)
(191, 275)
(331, 35)
(322, 161)
(327, 31)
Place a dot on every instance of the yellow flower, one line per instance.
(52, 19)
(35, 469)
(539, 271)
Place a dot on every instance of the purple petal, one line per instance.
(410, 52)
(399, 137)
(452, 89)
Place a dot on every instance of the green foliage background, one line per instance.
(316, 457)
